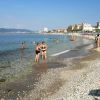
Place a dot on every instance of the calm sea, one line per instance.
(13, 61)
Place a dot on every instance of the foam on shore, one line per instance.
(59, 53)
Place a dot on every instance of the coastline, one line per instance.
(74, 80)
(48, 79)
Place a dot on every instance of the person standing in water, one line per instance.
(43, 50)
(23, 45)
(37, 52)
(97, 41)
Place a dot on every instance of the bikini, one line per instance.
(43, 48)
(37, 51)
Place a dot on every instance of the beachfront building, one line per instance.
(70, 28)
(97, 27)
(77, 27)
(87, 27)
(84, 27)
(60, 30)
(45, 30)
(74, 28)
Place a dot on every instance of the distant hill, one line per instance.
(14, 30)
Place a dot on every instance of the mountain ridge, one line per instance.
(14, 30)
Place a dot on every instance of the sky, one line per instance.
(37, 14)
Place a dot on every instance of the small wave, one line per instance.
(59, 53)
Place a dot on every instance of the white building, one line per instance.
(87, 27)
(45, 29)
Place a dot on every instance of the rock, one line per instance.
(2, 80)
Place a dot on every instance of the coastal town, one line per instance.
(83, 27)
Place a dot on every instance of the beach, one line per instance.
(72, 75)
(79, 81)
(49, 50)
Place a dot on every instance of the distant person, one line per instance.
(23, 45)
(22, 50)
(73, 37)
(37, 52)
(34, 42)
(43, 50)
(97, 41)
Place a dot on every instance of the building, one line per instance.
(87, 27)
(61, 30)
(45, 30)
(84, 27)
(97, 27)
(70, 28)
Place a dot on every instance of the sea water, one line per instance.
(14, 61)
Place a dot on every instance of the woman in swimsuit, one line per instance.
(43, 49)
(97, 41)
(37, 51)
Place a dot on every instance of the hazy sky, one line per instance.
(36, 14)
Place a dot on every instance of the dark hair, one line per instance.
(97, 34)
(43, 42)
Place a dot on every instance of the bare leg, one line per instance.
(42, 55)
(97, 44)
(37, 58)
(45, 56)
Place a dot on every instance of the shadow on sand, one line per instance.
(95, 94)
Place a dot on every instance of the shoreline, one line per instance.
(53, 78)
(47, 74)
(74, 81)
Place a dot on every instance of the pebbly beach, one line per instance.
(73, 75)
(74, 79)
(49, 50)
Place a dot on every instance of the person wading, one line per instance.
(37, 52)
(97, 41)
(43, 50)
